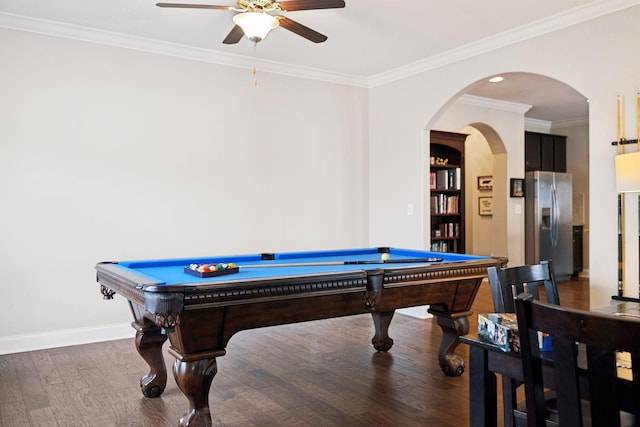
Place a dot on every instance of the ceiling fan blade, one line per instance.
(291, 5)
(234, 35)
(194, 6)
(301, 30)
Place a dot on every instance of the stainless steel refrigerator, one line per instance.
(548, 221)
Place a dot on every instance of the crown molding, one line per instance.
(577, 121)
(537, 125)
(77, 32)
(562, 20)
(495, 104)
(530, 124)
(110, 38)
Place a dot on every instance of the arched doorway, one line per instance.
(499, 124)
(485, 152)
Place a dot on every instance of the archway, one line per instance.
(486, 234)
(502, 123)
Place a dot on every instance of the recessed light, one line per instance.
(496, 79)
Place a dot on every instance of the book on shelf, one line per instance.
(442, 180)
(444, 246)
(444, 204)
(449, 229)
(445, 179)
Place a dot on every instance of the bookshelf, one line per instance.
(446, 191)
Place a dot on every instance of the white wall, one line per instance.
(597, 58)
(115, 154)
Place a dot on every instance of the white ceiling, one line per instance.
(550, 100)
(366, 40)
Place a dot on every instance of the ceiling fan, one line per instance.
(255, 21)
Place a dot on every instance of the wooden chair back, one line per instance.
(602, 335)
(507, 282)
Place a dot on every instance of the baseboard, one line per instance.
(419, 312)
(65, 338)
(79, 336)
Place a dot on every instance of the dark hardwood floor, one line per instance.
(321, 373)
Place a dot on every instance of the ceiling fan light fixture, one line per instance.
(255, 25)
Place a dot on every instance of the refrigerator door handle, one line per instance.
(554, 216)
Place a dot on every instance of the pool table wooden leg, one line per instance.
(194, 379)
(452, 328)
(149, 341)
(381, 321)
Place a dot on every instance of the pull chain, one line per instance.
(255, 79)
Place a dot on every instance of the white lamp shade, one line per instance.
(628, 172)
(255, 25)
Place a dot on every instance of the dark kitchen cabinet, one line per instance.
(545, 152)
(577, 249)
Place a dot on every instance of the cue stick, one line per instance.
(320, 263)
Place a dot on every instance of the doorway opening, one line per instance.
(496, 118)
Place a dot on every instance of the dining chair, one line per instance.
(602, 335)
(508, 282)
(505, 283)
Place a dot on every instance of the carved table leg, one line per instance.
(452, 328)
(149, 342)
(194, 379)
(381, 340)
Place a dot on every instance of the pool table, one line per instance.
(199, 315)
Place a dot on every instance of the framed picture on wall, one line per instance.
(516, 187)
(485, 206)
(485, 183)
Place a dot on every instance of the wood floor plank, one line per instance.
(9, 383)
(13, 413)
(43, 417)
(46, 367)
(33, 393)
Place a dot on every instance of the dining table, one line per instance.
(486, 361)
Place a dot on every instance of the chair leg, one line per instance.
(509, 400)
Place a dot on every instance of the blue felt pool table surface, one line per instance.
(171, 271)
